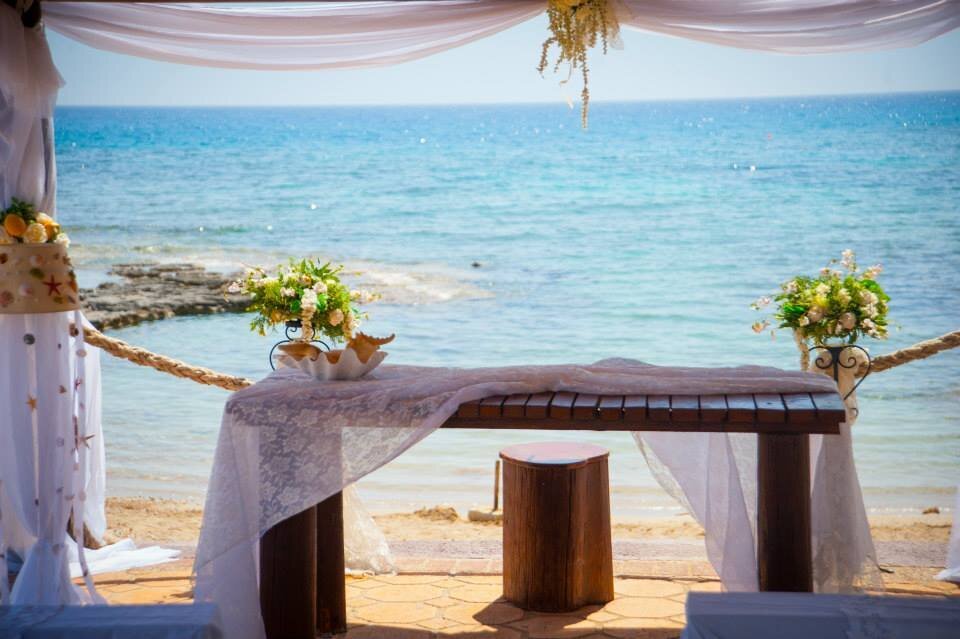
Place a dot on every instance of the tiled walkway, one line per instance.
(467, 606)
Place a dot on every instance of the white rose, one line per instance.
(815, 314)
(62, 239)
(822, 289)
(790, 287)
(286, 291)
(848, 321)
(320, 288)
(233, 288)
(335, 317)
(844, 296)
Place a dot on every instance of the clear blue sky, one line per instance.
(501, 69)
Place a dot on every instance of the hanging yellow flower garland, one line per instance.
(575, 26)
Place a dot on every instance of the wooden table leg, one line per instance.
(784, 552)
(288, 577)
(331, 600)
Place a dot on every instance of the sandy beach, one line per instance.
(159, 521)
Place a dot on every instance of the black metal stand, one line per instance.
(290, 329)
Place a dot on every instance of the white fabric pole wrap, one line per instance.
(42, 387)
(364, 34)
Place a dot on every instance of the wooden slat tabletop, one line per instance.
(735, 413)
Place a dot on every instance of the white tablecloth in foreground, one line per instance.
(790, 615)
(200, 621)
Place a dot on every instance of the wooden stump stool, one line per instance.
(557, 551)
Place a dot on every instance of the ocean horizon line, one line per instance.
(542, 103)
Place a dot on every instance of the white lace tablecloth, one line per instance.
(289, 442)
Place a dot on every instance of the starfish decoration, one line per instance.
(53, 286)
(77, 439)
(32, 402)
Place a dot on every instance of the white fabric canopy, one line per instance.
(363, 34)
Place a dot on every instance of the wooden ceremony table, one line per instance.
(302, 589)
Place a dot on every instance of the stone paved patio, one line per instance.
(455, 602)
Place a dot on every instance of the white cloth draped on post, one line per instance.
(714, 476)
(289, 442)
(363, 34)
(51, 441)
(952, 571)
(49, 380)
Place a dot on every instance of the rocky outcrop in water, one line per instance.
(148, 292)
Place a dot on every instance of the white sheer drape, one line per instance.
(43, 481)
(43, 372)
(361, 34)
(317, 37)
(952, 571)
(723, 499)
(796, 26)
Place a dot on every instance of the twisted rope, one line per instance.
(201, 375)
(920, 350)
(162, 363)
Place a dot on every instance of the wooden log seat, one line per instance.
(557, 550)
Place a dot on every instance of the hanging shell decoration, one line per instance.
(575, 26)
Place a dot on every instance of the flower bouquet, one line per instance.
(837, 305)
(22, 223)
(312, 295)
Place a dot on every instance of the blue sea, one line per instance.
(646, 236)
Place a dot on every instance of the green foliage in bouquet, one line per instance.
(839, 304)
(304, 290)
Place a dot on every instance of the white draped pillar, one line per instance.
(49, 381)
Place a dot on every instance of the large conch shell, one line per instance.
(365, 345)
(300, 350)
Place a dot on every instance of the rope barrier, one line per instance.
(199, 374)
(162, 363)
(920, 350)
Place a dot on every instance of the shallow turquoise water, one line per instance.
(646, 237)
